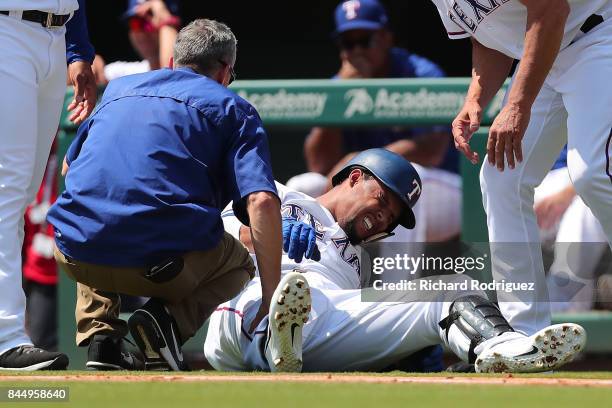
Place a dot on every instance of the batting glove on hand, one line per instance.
(300, 240)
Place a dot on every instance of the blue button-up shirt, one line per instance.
(152, 168)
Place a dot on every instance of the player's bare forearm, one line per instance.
(265, 219)
(490, 68)
(544, 32)
(245, 238)
(167, 38)
(323, 149)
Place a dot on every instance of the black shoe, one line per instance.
(30, 358)
(108, 353)
(157, 337)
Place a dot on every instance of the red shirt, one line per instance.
(37, 252)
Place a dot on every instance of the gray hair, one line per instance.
(205, 45)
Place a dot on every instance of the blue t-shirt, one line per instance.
(152, 168)
(403, 65)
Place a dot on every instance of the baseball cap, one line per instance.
(173, 7)
(360, 14)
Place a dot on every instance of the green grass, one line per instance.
(311, 395)
(108, 393)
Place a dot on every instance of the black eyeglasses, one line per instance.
(348, 44)
(232, 72)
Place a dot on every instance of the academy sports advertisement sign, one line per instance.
(360, 102)
(281, 104)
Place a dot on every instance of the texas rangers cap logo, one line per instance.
(415, 191)
(351, 7)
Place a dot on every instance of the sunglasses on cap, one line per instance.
(346, 43)
(231, 70)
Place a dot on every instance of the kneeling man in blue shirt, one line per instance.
(150, 172)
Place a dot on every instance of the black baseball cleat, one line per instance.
(110, 353)
(30, 358)
(157, 337)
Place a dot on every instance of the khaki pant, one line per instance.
(207, 279)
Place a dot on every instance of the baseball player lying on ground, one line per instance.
(317, 321)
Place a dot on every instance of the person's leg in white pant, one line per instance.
(342, 333)
(577, 242)
(508, 199)
(32, 79)
(587, 95)
(578, 249)
(369, 330)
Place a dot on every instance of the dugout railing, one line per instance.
(300, 104)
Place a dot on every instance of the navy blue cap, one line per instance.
(173, 7)
(360, 15)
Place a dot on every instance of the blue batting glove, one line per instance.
(300, 240)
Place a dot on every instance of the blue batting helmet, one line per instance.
(392, 170)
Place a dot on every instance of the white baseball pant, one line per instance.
(343, 332)
(574, 106)
(578, 244)
(32, 89)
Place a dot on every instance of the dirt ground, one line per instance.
(318, 378)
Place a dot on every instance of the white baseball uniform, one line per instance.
(343, 333)
(573, 106)
(33, 84)
(578, 243)
(119, 69)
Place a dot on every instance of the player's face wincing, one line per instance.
(372, 209)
